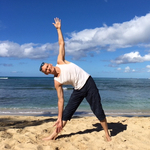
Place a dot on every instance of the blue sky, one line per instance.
(107, 38)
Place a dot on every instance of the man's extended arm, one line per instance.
(61, 55)
(59, 124)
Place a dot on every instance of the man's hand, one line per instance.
(57, 23)
(59, 125)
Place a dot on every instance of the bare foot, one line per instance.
(49, 138)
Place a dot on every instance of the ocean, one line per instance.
(37, 96)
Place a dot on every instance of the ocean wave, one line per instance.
(3, 78)
(18, 111)
(67, 88)
(34, 88)
(128, 114)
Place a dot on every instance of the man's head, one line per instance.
(46, 68)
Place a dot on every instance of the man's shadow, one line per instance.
(114, 128)
(10, 123)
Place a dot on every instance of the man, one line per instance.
(66, 72)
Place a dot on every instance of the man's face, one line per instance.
(47, 68)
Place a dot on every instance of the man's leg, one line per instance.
(54, 134)
(94, 99)
(105, 127)
(97, 109)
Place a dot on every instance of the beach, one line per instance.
(81, 133)
(28, 111)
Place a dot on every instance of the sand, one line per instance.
(81, 133)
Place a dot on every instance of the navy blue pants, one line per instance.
(91, 93)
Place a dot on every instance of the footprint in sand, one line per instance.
(86, 138)
(6, 135)
(39, 147)
(7, 146)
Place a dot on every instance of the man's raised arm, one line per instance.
(61, 55)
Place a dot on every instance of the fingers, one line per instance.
(59, 126)
(57, 20)
(58, 129)
(55, 124)
(57, 23)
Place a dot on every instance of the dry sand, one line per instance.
(81, 133)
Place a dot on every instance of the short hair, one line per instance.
(42, 64)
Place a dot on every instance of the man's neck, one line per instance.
(57, 72)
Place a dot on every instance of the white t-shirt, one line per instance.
(72, 74)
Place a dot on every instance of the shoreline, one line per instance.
(79, 112)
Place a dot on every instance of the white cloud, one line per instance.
(132, 57)
(127, 69)
(120, 35)
(118, 68)
(29, 50)
(148, 66)
(123, 35)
